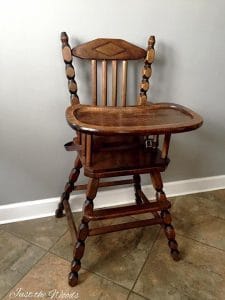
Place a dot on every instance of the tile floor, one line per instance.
(135, 264)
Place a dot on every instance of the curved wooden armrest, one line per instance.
(157, 118)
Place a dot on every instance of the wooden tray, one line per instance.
(151, 119)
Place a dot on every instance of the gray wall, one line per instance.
(189, 69)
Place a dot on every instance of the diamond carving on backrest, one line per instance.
(110, 49)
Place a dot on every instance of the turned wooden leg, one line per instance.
(165, 215)
(137, 187)
(83, 232)
(69, 187)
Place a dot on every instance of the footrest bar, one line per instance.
(105, 184)
(124, 226)
(116, 212)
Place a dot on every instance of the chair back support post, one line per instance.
(147, 71)
(70, 72)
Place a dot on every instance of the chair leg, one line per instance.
(165, 215)
(137, 188)
(83, 231)
(69, 187)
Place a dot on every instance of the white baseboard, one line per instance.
(46, 207)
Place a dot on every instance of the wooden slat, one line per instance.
(94, 81)
(116, 212)
(166, 144)
(124, 226)
(83, 143)
(104, 82)
(124, 82)
(114, 83)
(78, 137)
(88, 150)
(105, 184)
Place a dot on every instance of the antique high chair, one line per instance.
(113, 139)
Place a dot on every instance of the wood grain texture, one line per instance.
(70, 72)
(152, 119)
(117, 141)
(114, 83)
(166, 144)
(104, 82)
(83, 232)
(124, 83)
(88, 149)
(147, 71)
(69, 187)
(110, 49)
(94, 81)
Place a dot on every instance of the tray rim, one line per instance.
(189, 125)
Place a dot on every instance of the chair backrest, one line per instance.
(106, 51)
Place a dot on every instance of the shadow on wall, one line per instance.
(191, 153)
(163, 68)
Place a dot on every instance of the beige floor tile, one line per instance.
(117, 256)
(199, 275)
(49, 277)
(16, 258)
(43, 232)
(134, 296)
(201, 217)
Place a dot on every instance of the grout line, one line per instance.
(24, 239)
(137, 295)
(24, 274)
(197, 241)
(31, 242)
(107, 279)
(58, 239)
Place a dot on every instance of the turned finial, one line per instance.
(64, 38)
(151, 42)
(70, 72)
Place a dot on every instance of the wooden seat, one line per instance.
(114, 139)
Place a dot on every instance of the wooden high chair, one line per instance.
(113, 139)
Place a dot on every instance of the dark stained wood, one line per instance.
(104, 82)
(114, 139)
(124, 83)
(166, 144)
(110, 213)
(165, 215)
(83, 144)
(137, 188)
(70, 72)
(103, 184)
(147, 71)
(152, 119)
(114, 83)
(111, 49)
(83, 232)
(74, 174)
(88, 150)
(124, 226)
(94, 81)
(123, 162)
